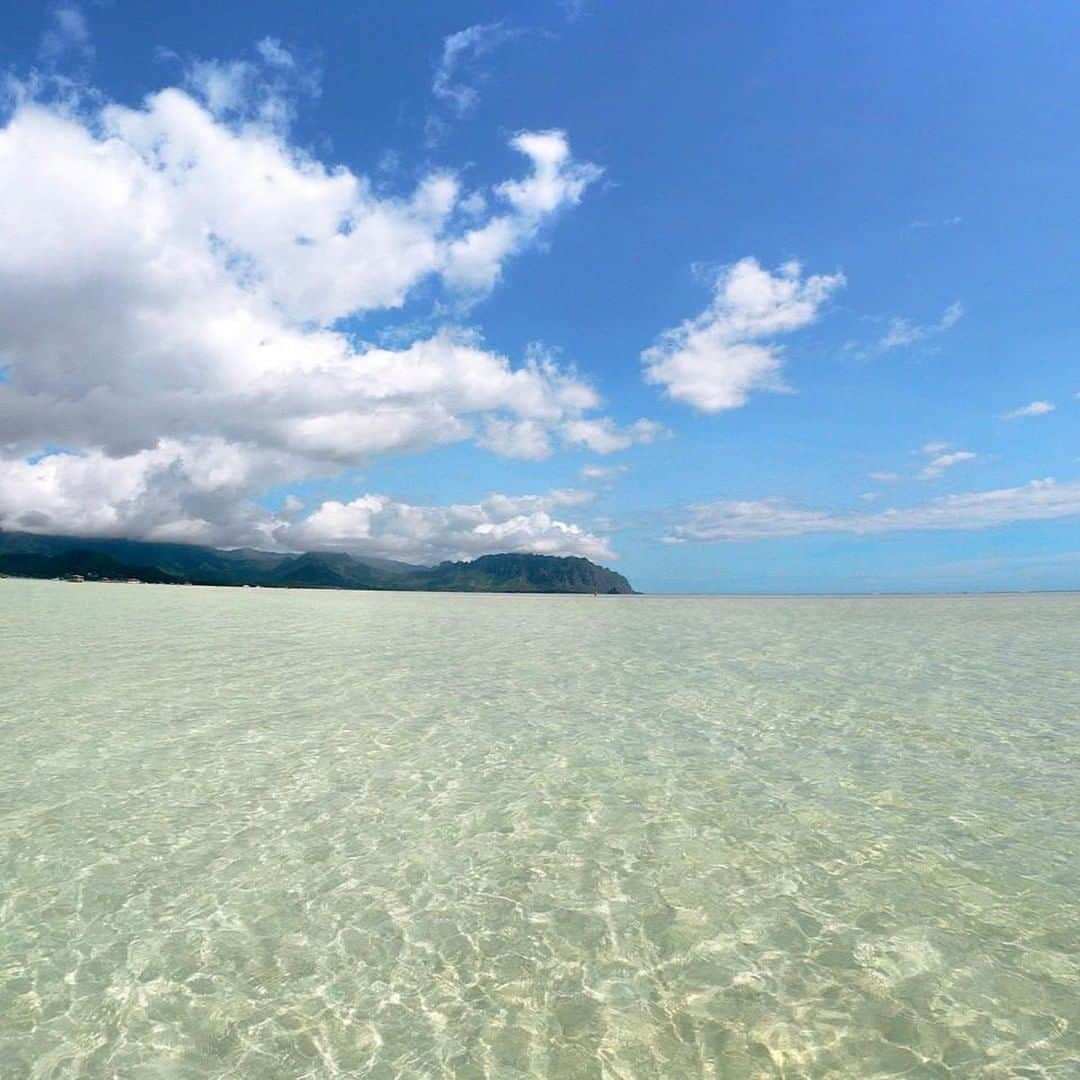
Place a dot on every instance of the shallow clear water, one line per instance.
(254, 833)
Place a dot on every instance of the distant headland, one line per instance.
(80, 558)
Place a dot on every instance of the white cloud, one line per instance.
(902, 332)
(942, 458)
(473, 262)
(67, 35)
(1034, 408)
(377, 525)
(884, 477)
(316, 241)
(526, 440)
(192, 491)
(531, 439)
(940, 462)
(730, 520)
(171, 280)
(716, 359)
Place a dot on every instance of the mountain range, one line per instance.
(36, 555)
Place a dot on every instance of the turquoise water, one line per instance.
(253, 833)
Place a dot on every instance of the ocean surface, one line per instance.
(280, 834)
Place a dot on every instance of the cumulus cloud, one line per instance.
(1034, 408)
(173, 280)
(716, 359)
(902, 332)
(197, 492)
(377, 525)
(733, 520)
(532, 439)
(604, 436)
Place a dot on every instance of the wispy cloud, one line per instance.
(573, 9)
(883, 477)
(902, 332)
(265, 89)
(602, 472)
(762, 519)
(939, 223)
(67, 35)
(456, 74)
(459, 73)
(1034, 408)
(939, 462)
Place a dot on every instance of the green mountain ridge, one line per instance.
(36, 555)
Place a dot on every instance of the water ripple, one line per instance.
(258, 834)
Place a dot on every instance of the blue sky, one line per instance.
(777, 297)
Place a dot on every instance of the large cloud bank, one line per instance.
(175, 281)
